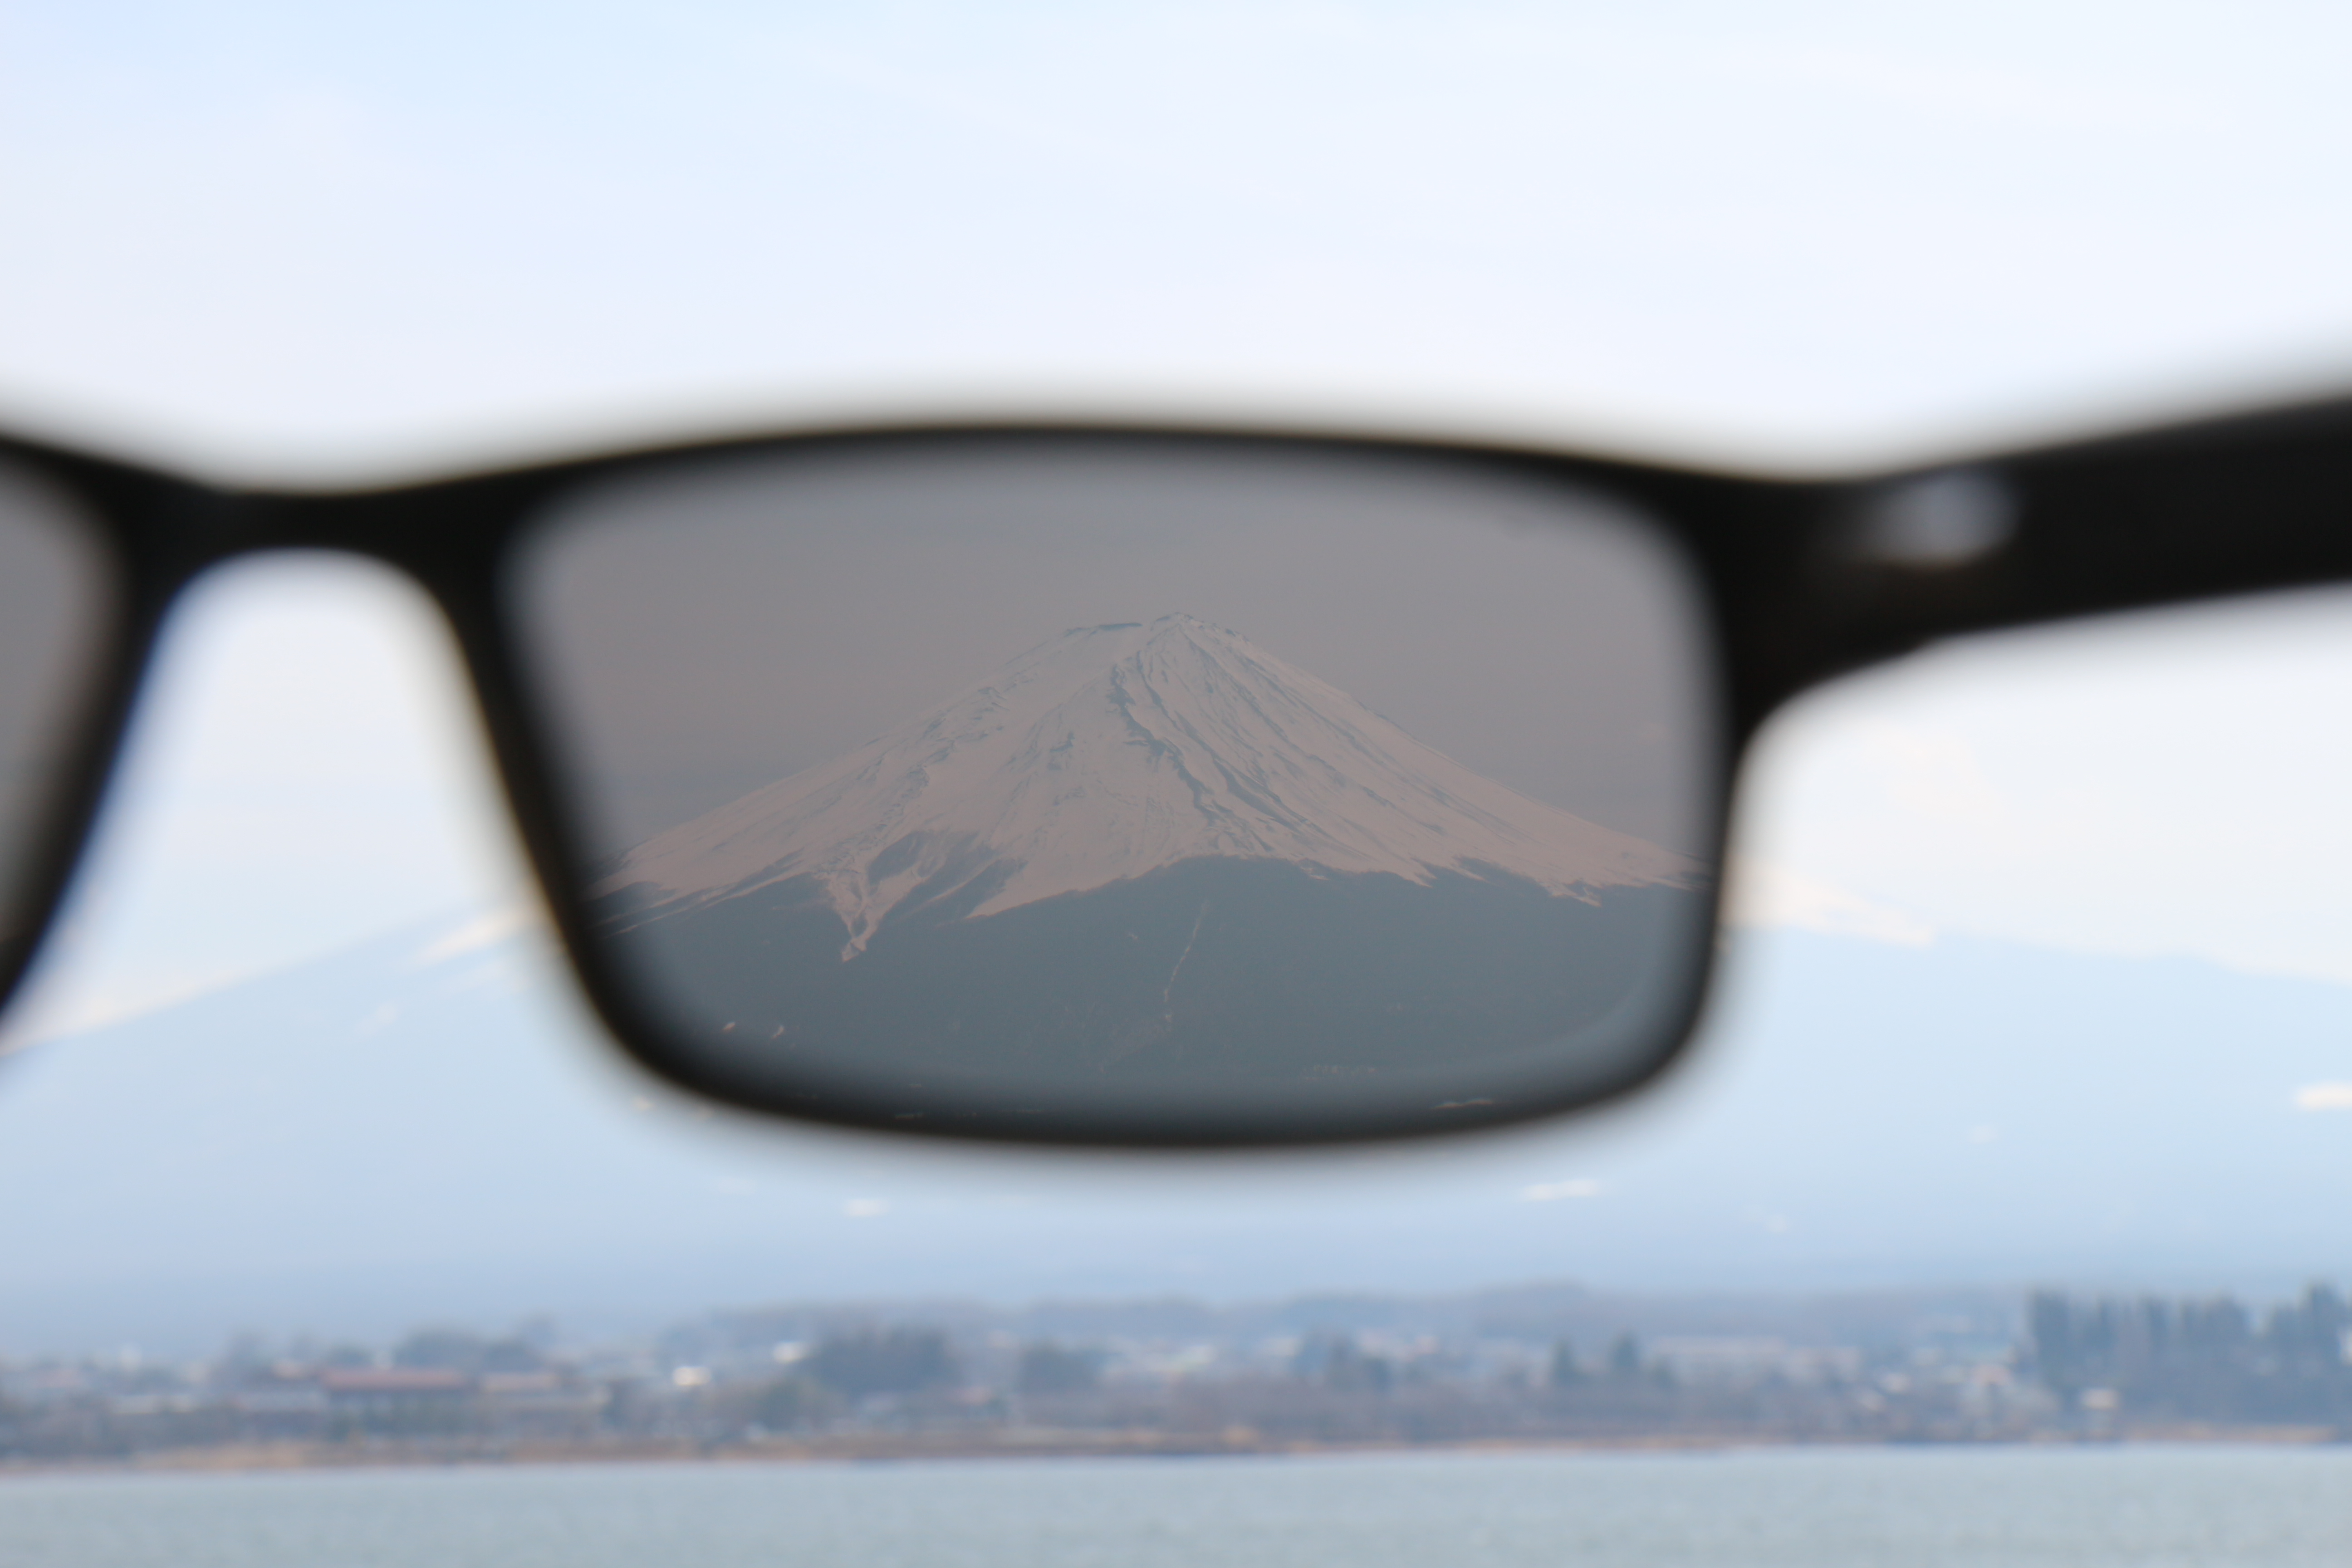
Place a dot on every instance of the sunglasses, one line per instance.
(1115, 786)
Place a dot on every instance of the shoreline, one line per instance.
(871, 1449)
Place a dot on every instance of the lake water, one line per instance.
(2012, 1508)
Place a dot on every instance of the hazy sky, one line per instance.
(272, 239)
(278, 235)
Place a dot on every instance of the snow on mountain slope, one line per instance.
(1113, 750)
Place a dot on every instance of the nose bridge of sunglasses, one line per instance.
(303, 773)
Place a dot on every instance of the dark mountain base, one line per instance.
(1210, 967)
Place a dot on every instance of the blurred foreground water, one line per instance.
(1826, 1507)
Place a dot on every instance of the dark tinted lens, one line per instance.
(1112, 784)
(53, 616)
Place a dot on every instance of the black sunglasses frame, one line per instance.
(1796, 575)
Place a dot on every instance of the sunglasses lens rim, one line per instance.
(1626, 1051)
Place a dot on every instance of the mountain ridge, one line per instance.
(364, 1142)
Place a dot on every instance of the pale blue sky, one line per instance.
(300, 240)
(280, 240)
(276, 236)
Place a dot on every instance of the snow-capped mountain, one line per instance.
(1150, 850)
(1112, 751)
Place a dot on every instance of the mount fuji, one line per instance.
(1145, 846)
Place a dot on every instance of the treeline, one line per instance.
(842, 1382)
(2197, 1358)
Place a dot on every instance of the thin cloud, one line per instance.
(1553, 1192)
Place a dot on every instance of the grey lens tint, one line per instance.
(1139, 779)
(54, 614)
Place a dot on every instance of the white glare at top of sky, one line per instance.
(266, 240)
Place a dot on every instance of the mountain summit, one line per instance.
(1113, 752)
